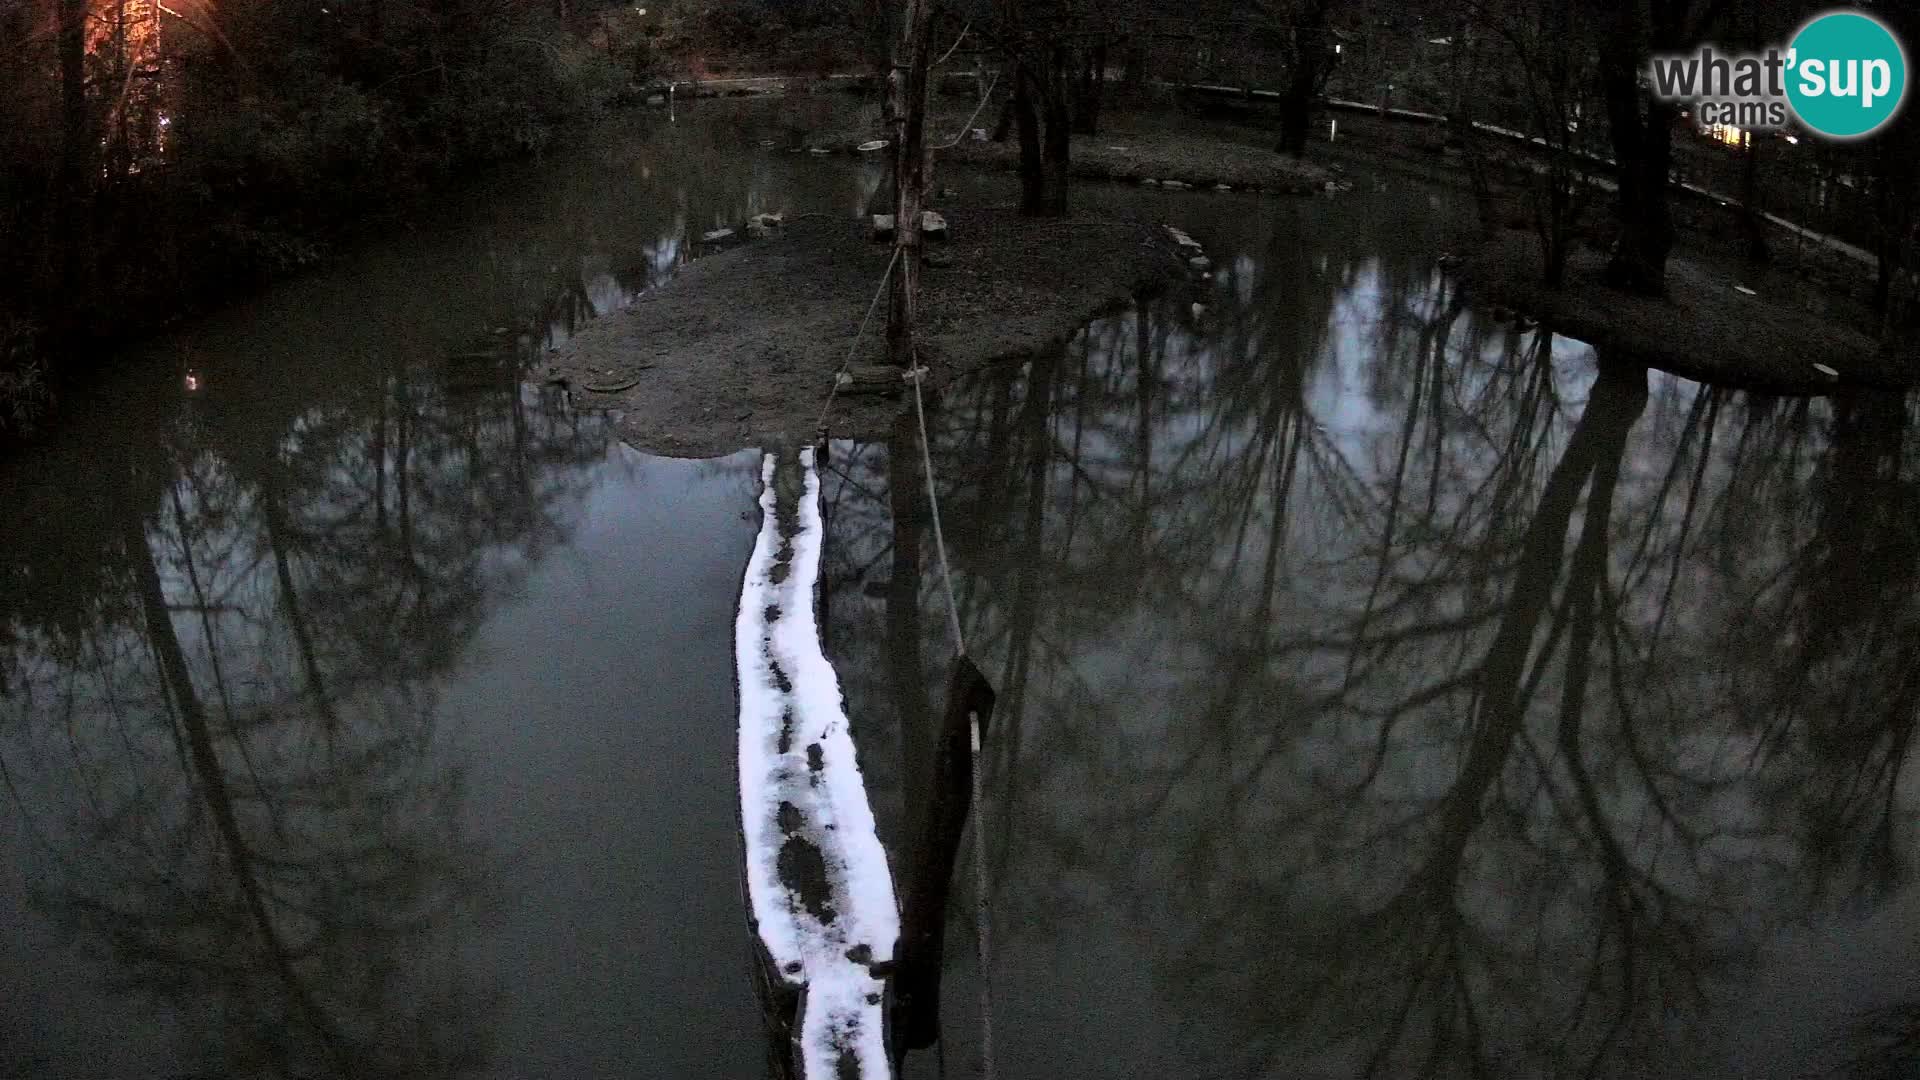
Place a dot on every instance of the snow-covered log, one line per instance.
(821, 896)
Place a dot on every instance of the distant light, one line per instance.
(1337, 47)
(1792, 141)
(193, 382)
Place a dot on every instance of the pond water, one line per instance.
(1383, 690)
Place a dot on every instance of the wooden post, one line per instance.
(907, 87)
(923, 918)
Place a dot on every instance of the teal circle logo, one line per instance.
(1846, 74)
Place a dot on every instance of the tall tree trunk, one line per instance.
(1753, 223)
(1059, 138)
(76, 147)
(1460, 119)
(1893, 192)
(1033, 185)
(1309, 53)
(908, 86)
(1133, 67)
(1087, 96)
(1296, 116)
(1641, 127)
(1003, 126)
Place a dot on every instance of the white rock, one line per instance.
(1200, 262)
(872, 145)
(1742, 289)
(1826, 372)
(1177, 185)
(931, 224)
(978, 134)
(716, 235)
(1199, 310)
(818, 150)
(1223, 187)
(1151, 182)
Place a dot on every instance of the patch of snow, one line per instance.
(787, 686)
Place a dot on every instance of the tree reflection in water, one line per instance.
(220, 720)
(1439, 699)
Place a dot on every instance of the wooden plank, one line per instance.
(916, 1014)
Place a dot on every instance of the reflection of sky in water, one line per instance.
(583, 694)
(1209, 738)
(363, 428)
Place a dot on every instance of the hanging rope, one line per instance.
(820, 426)
(916, 377)
(945, 56)
(968, 126)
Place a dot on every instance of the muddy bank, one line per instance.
(742, 347)
(1707, 329)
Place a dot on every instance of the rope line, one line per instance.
(916, 377)
(833, 391)
(985, 96)
(982, 931)
(948, 55)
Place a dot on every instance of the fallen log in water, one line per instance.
(820, 896)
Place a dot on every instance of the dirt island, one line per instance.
(743, 346)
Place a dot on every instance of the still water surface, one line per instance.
(1383, 691)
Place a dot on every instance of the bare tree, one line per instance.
(1640, 127)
